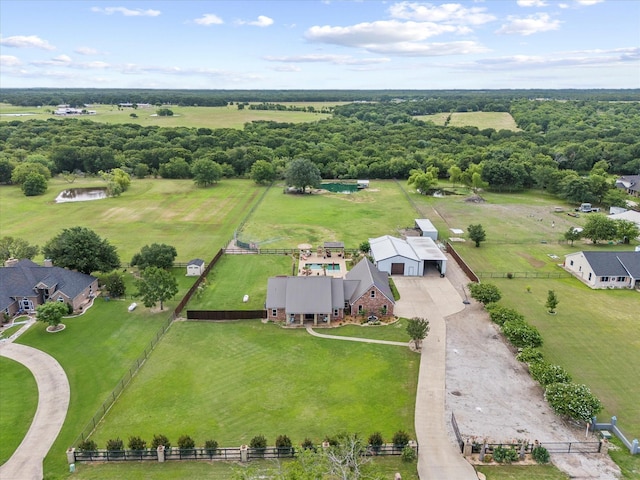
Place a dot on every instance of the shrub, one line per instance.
(186, 442)
(35, 184)
(160, 440)
(500, 314)
(136, 443)
(408, 454)
(307, 444)
(333, 441)
(505, 455)
(283, 443)
(484, 292)
(573, 400)
(69, 309)
(211, 446)
(530, 355)
(546, 373)
(115, 444)
(540, 455)
(87, 446)
(376, 441)
(521, 334)
(400, 439)
(259, 441)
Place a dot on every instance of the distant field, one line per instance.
(481, 120)
(211, 117)
(197, 221)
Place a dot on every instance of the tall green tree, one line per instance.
(22, 171)
(477, 233)
(157, 286)
(205, 172)
(263, 172)
(572, 235)
(418, 329)
(118, 181)
(422, 181)
(627, 230)
(35, 184)
(51, 313)
(16, 248)
(599, 227)
(79, 248)
(155, 255)
(302, 173)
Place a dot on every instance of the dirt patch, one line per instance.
(533, 261)
(475, 199)
(493, 396)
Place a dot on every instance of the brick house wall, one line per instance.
(372, 304)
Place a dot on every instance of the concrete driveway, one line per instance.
(433, 298)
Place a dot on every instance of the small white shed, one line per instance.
(426, 228)
(195, 267)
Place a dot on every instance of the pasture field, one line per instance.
(236, 275)
(197, 221)
(284, 221)
(234, 380)
(481, 120)
(196, 117)
(18, 405)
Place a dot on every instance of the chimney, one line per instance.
(48, 262)
(11, 262)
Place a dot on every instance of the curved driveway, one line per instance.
(53, 402)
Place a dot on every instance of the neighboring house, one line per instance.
(426, 228)
(630, 215)
(24, 285)
(411, 257)
(195, 267)
(605, 269)
(630, 184)
(323, 299)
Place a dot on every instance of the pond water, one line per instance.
(337, 187)
(81, 194)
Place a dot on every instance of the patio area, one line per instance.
(314, 264)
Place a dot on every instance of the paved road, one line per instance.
(433, 298)
(53, 402)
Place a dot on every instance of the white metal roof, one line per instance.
(387, 247)
(425, 225)
(425, 248)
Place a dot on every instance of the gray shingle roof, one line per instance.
(614, 264)
(368, 275)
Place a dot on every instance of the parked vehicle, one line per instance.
(587, 208)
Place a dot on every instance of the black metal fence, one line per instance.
(552, 447)
(202, 454)
(523, 274)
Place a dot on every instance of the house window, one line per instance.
(571, 262)
(60, 299)
(274, 312)
(373, 294)
(604, 279)
(589, 275)
(335, 312)
(621, 279)
(360, 310)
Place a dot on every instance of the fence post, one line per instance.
(635, 448)
(161, 454)
(466, 451)
(71, 455)
(244, 453)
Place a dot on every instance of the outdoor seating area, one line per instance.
(315, 264)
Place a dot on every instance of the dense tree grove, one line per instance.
(568, 148)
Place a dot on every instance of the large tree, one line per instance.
(52, 313)
(627, 230)
(157, 285)
(155, 255)
(599, 227)
(263, 172)
(16, 248)
(303, 173)
(477, 234)
(79, 248)
(205, 172)
(423, 181)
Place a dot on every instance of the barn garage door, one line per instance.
(397, 268)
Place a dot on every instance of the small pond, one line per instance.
(81, 194)
(337, 187)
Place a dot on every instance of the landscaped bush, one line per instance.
(332, 441)
(546, 373)
(307, 444)
(540, 455)
(258, 443)
(136, 443)
(115, 444)
(211, 447)
(530, 355)
(160, 440)
(573, 400)
(87, 446)
(400, 439)
(408, 454)
(521, 334)
(283, 443)
(505, 455)
(484, 293)
(185, 442)
(500, 314)
(69, 309)
(376, 441)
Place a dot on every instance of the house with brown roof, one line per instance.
(24, 285)
(324, 299)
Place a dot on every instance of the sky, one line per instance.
(308, 44)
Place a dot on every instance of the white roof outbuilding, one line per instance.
(410, 257)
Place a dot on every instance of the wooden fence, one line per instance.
(225, 314)
(463, 265)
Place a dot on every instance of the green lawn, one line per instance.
(7, 332)
(396, 332)
(197, 221)
(196, 117)
(232, 381)
(284, 221)
(236, 275)
(17, 405)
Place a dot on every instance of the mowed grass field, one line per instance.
(286, 220)
(197, 221)
(481, 120)
(198, 117)
(232, 381)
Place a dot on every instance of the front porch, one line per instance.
(307, 319)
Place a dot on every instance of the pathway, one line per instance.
(356, 339)
(53, 402)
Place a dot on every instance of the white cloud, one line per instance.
(532, 3)
(286, 68)
(588, 2)
(262, 21)
(379, 32)
(26, 41)
(9, 61)
(127, 12)
(539, 22)
(327, 58)
(409, 49)
(209, 19)
(447, 13)
(86, 51)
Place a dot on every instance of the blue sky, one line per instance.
(305, 44)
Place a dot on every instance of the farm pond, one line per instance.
(81, 194)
